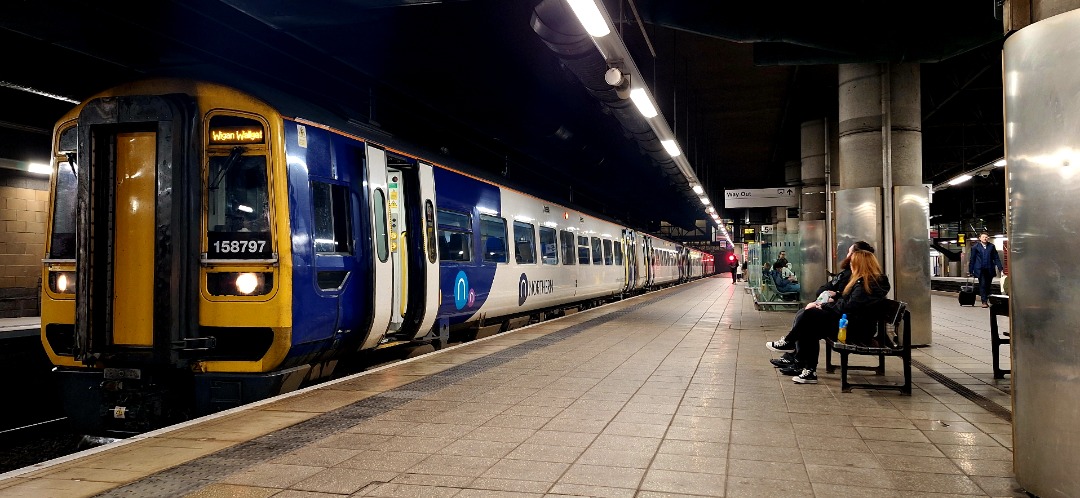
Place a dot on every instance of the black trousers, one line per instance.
(986, 281)
(734, 275)
(810, 327)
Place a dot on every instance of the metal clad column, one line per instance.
(1042, 144)
(812, 212)
(866, 178)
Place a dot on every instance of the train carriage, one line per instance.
(207, 249)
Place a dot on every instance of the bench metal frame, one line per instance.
(894, 338)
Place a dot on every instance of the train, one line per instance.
(209, 246)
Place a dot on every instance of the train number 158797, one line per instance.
(239, 246)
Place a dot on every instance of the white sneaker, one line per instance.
(806, 377)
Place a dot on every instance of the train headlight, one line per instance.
(62, 282)
(246, 283)
(239, 283)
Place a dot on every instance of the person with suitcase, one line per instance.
(984, 263)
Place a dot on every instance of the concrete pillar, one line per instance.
(881, 198)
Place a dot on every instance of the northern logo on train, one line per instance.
(463, 295)
(536, 287)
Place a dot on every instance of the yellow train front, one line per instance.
(167, 285)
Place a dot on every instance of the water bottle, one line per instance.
(842, 336)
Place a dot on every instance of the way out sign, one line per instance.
(762, 197)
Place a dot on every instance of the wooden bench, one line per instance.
(999, 306)
(892, 338)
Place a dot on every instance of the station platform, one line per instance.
(666, 394)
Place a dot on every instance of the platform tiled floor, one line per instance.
(667, 394)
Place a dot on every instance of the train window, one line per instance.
(597, 252)
(382, 248)
(524, 243)
(567, 244)
(237, 205)
(607, 252)
(331, 226)
(549, 247)
(429, 231)
(583, 250)
(493, 238)
(455, 236)
(618, 252)
(62, 242)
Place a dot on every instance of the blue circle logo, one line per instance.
(461, 290)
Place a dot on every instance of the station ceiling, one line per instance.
(473, 81)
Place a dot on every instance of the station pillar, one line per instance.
(814, 226)
(1042, 140)
(881, 198)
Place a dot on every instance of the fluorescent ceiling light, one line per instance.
(1000, 163)
(698, 190)
(705, 201)
(42, 169)
(644, 105)
(671, 147)
(589, 16)
(960, 179)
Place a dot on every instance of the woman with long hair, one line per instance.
(864, 291)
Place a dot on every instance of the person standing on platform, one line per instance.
(984, 264)
(733, 266)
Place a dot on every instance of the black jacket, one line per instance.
(836, 284)
(860, 304)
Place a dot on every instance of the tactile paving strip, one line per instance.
(191, 476)
(986, 403)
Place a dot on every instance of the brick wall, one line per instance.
(23, 215)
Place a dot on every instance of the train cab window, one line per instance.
(597, 252)
(331, 224)
(493, 239)
(238, 189)
(382, 242)
(549, 247)
(568, 246)
(62, 240)
(618, 252)
(608, 257)
(583, 250)
(524, 243)
(455, 236)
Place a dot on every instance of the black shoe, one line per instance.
(784, 361)
(806, 377)
(794, 369)
(780, 345)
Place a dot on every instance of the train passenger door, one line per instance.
(406, 291)
(382, 265)
(650, 262)
(630, 261)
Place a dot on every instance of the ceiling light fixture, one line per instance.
(960, 179)
(698, 190)
(999, 163)
(643, 102)
(671, 147)
(589, 16)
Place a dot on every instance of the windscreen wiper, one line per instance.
(234, 157)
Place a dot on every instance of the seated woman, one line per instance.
(784, 278)
(866, 288)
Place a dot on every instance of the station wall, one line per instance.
(23, 215)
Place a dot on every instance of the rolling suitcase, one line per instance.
(967, 294)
